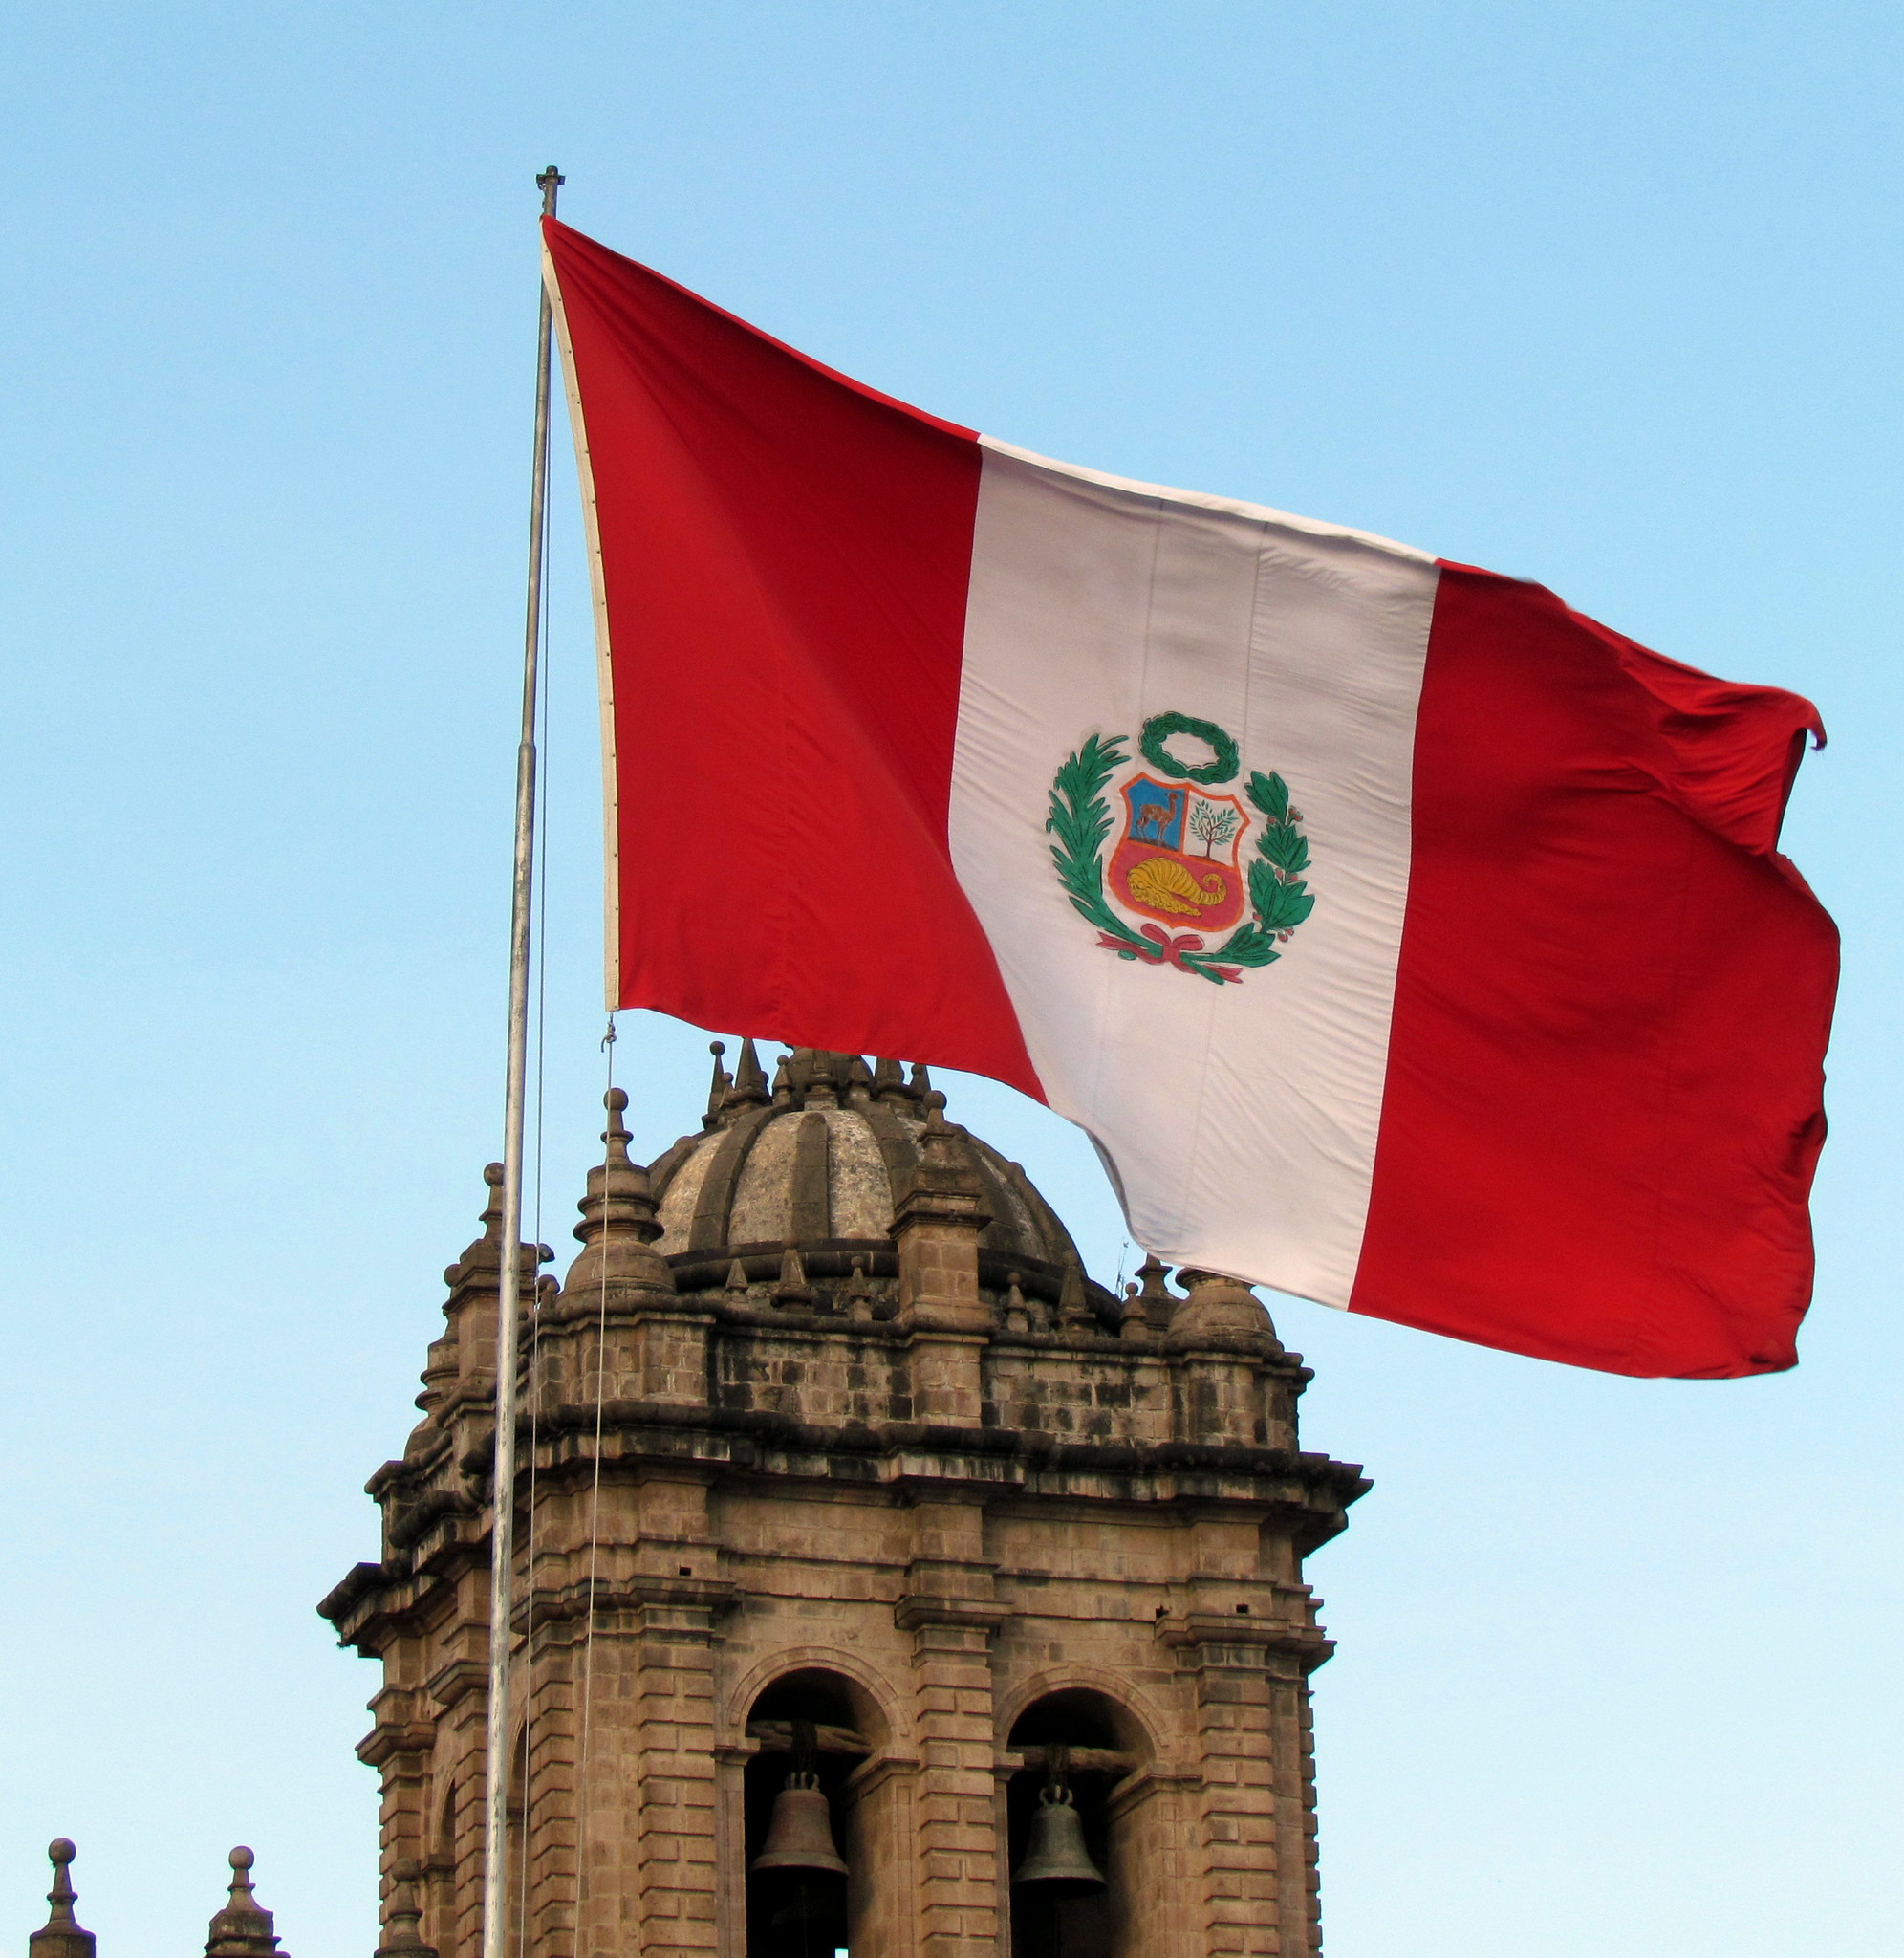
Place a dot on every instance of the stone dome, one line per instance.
(814, 1163)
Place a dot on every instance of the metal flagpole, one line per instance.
(502, 1552)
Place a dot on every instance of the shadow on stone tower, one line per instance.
(857, 1526)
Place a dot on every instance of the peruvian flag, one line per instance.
(1403, 939)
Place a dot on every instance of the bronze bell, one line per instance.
(1057, 1859)
(800, 1835)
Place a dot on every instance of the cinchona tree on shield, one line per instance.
(1212, 823)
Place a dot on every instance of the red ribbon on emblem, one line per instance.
(1169, 951)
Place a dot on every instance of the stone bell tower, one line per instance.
(858, 1526)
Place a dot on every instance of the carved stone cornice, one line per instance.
(1216, 1641)
(384, 1743)
(716, 1596)
(460, 1678)
(919, 1608)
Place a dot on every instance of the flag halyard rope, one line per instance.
(595, 1506)
(534, 1374)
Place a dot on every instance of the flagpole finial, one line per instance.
(549, 183)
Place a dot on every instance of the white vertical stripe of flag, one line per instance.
(1239, 1122)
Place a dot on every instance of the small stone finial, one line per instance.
(244, 1927)
(1017, 1314)
(857, 1298)
(858, 1082)
(936, 1123)
(1075, 1313)
(61, 1852)
(1149, 1301)
(404, 1915)
(919, 1085)
(717, 1088)
(61, 1937)
(792, 1292)
(783, 1084)
(737, 1277)
(889, 1081)
(1136, 1322)
(617, 1134)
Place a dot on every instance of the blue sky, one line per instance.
(1605, 294)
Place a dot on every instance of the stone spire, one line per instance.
(1074, 1314)
(243, 1928)
(462, 1364)
(619, 1226)
(750, 1089)
(719, 1088)
(61, 1936)
(477, 1275)
(485, 1255)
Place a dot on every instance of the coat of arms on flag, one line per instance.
(1179, 859)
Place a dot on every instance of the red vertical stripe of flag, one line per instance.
(1604, 1099)
(785, 557)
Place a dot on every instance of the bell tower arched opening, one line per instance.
(807, 1885)
(1069, 1853)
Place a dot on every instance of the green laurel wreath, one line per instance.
(1279, 898)
(1152, 744)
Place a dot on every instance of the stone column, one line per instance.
(399, 1747)
(949, 1610)
(1258, 1834)
(1242, 1863)
(731, 1845)
(546, 1866)
(652, 1814)
(1259, 1817)
(959, 1911)
(639, 1730)
(1157, 1862)
(675, 1766)
(882, 1851)
(648, 1808)
(608, 1759)
(1299, 1900)
(459, 1696)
